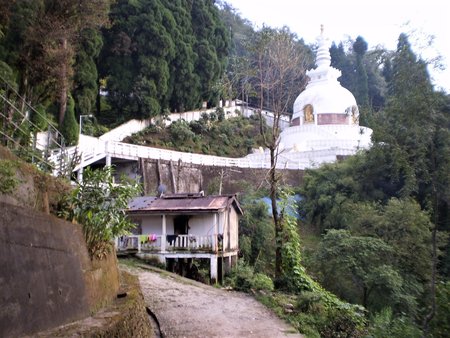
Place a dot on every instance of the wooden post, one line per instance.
(216, 233)
(80, 171)
(213, 269)
(163, 237)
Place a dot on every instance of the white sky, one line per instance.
(379, 22)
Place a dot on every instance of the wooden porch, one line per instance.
(169, 243)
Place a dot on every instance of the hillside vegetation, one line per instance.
(377, 250)
(212, 134)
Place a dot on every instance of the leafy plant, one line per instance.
(8, 180)
(385, 324)
(262, 282)
(98, 204)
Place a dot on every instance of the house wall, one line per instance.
(228, 226)
(202, 224)
(152, 225)
(234, 229)
(199, 224)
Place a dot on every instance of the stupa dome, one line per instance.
(324, 100)
(325, 124)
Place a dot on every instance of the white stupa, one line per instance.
(325, 120)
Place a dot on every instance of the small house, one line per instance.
(181, 227)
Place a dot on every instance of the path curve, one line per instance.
(186, 308)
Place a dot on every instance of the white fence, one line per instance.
(166, 243)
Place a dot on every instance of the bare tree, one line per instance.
(276, 72)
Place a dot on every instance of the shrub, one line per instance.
(98, 205)
(262, 282)
(384, 324)
(180, 132)
(241, 277)
(220, 114)
(8, 180)
(308, 301)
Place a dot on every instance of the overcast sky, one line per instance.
(379, 22)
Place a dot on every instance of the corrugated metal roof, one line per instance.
(179, 203)
(140, 202)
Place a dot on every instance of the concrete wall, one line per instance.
(46, 276)
(125, 317)
(194, 178)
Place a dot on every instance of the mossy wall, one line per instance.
(125, 317)
(47, 277)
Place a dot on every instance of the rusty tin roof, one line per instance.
(185, 203)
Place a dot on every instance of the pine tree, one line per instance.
(361, 89)
(85, 78)
(70, 126)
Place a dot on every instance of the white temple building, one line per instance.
(325, 120)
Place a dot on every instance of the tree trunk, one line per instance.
(63, 82)
(276, 217)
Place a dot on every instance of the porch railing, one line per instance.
(159, 243)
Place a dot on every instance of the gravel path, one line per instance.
(186, 308)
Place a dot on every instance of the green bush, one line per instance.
(98, 204)
(241, 277)
(385, 324)
(180, 132)
(262, 282)
(440, 325)
(338, 322)
(244, 278)
(309, 301)
(8, 180)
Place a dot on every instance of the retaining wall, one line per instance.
(46, 276)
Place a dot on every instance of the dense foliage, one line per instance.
(212, 134)
(383, 213)
(162, 55)
(147, 56)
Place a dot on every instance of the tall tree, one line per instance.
(85, 79)
(212, 46)
(136, 58)
(58, 28)
(184, 84)
(163, 55)
(276, 68)
(361, 89)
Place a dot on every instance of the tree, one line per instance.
(58, 30)
(162, 55)
(359, 269)
(416, 122)
(184, 84)
(361, 89)
(404, 226)
(69, 128)
(343, 62)
(276, 67)
(85, 80)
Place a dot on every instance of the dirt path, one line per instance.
(186, 308)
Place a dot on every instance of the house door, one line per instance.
(180, 225)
